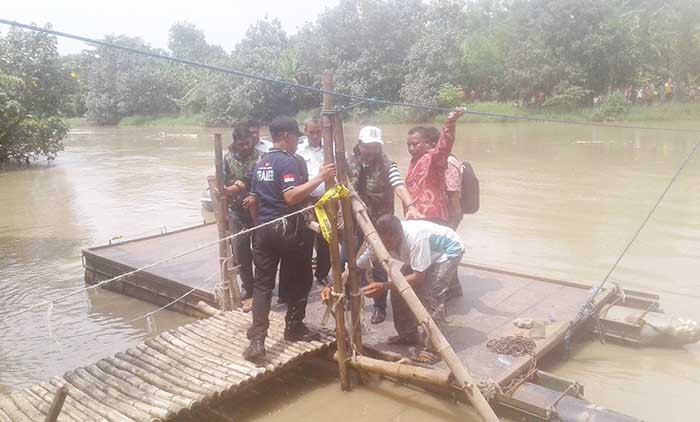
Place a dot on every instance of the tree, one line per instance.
(121, 84)
(32, 88)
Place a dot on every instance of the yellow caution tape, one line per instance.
(336, 192)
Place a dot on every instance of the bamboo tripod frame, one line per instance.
(332, 130)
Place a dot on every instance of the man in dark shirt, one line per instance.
(279, 190)
(239, 163)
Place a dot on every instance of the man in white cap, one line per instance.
(376, 179)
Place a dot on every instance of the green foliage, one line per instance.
(450, 95)
(32, 86)
(399, 50)
(121, 84)
(612, 108)
(566, 97)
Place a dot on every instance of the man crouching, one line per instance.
(431, 254)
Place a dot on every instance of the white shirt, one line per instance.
(263, 146)
(314, 160)
(423, 244)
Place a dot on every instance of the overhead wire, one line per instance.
(151, 265)
(350, 97)
(359, 100)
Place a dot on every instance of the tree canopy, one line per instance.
(33, 85)
(430, 52)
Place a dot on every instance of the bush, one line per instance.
(566, 97)
(613, 107)
(450, 95)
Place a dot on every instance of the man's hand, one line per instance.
(413, 214)
(249, 201)
(456, 114)
(375, 289)
(325, 294)
(327, 171)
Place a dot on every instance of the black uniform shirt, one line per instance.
(277, 172)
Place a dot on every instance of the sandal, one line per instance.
(403, 340)
(423, 356)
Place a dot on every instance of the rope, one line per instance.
(586, 310)
(144, 316)
(145, 267)
(360, 99)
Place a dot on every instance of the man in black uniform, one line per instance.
(278, 186)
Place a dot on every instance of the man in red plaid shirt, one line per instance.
(426, 173)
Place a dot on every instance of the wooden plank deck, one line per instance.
(195, 366)
(492, 299)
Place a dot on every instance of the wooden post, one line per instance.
(464, 380)
(349, 236)
(334, 246)
(232, 296)
(57, 404)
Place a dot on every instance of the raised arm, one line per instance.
(447, 138)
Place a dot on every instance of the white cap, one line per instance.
(371, 135)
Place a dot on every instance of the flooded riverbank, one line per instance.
(556, 201)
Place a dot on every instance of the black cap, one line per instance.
(281, 124)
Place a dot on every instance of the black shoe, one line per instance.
(255, 351)
(301, 333)
(281, 300)
(323, 281)
(378, 316)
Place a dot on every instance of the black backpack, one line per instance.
(470, 189)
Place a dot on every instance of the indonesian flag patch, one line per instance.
(288, 178)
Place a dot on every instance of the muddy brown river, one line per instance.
(557, 201)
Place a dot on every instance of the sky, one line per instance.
(223, 22)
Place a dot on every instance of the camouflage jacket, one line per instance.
(237, 169)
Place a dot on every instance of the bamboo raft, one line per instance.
(492, 300)
(193, 367)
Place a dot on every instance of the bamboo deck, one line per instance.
(178, 372)
(492, 300)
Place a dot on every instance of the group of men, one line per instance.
(269, 184)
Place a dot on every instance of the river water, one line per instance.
(558, 201)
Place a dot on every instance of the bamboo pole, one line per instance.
(349, 236)
(57, 405)
(139, 402)
(90, 413)
(96, 395)
(148, 388)
(332, 209)
(440, 343)
(66, 410)
(196, 380)
(231, 293)
(154, 374)
(402, 371)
